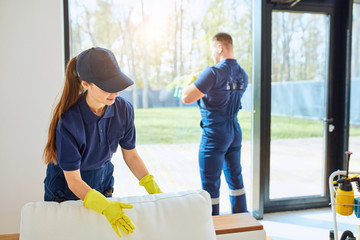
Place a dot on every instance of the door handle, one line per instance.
(330, 122)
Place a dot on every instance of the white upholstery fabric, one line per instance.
(167, 216)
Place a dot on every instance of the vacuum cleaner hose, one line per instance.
(347, 234)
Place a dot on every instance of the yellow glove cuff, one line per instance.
(95, 201)
(149, 184)
(146, 179)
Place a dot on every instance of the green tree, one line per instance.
(180, 48)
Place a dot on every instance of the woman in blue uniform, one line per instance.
(219, 90)
(87, 125)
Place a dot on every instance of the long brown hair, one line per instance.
(70, 94)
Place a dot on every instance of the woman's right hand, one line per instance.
(112, 210)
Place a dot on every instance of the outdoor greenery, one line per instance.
(299, 49)
(182, 125)
(157, 41)
(298, 46)
(160, 44)
(167, 125)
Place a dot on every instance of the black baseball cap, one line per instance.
(99, 66)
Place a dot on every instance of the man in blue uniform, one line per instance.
(218, 91)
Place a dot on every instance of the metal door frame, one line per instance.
(340, 14)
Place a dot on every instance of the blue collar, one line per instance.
(228, 60)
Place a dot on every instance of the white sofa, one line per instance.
(175, 216)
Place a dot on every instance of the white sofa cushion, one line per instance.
(175, 216)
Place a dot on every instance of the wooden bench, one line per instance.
(238, 226)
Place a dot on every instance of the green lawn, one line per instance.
(167, 125)
(182, 125)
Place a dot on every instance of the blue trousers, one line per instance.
(220, 151)
(56, 188)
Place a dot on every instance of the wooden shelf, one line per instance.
(233, 223)
(9, 237)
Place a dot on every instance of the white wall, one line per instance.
(31, 75)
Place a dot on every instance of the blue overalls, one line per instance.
(220, 150)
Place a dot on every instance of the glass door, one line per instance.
(354, 132)
(299, 66)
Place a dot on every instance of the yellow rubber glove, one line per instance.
(150, 185)
(112, 210)
(192, 78)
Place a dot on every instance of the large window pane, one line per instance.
(159, 44)
(298, 83)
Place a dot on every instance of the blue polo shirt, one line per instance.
(86, 141)
(214, 82)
